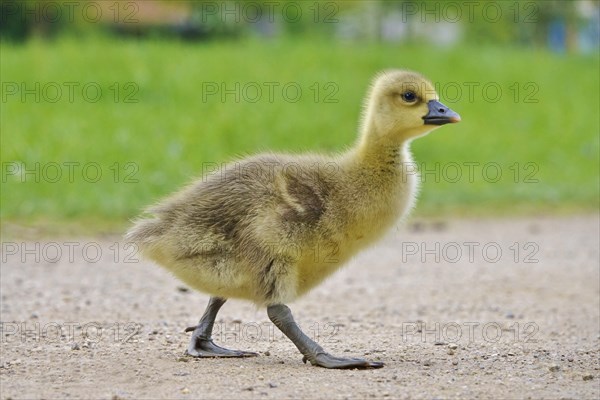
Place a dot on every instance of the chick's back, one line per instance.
(229, 228)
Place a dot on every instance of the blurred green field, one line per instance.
(547, 150)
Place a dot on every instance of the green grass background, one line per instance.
(171, 131)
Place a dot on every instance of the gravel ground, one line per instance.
(461, 309)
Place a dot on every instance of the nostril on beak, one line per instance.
(442, 110)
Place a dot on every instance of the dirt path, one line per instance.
(86, 319)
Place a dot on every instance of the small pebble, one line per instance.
(427, 363)
(75, 346)
(183, 289)
(554, 368)
(453, 346)
(450, 352)
(185, 390)
(588, 377)
(272, 385)
(267, 353)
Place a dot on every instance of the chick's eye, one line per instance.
(409, 97)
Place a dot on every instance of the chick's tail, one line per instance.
(146, 233)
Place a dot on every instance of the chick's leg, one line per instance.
(201, 344)
(281, 316)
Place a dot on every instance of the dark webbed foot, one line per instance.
(282, 317)
(201, 344)
(202, 347)
(326, 360)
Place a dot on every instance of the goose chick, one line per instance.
(271, 227)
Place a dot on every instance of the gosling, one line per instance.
(271, 227)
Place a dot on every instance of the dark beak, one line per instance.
(439, 114)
